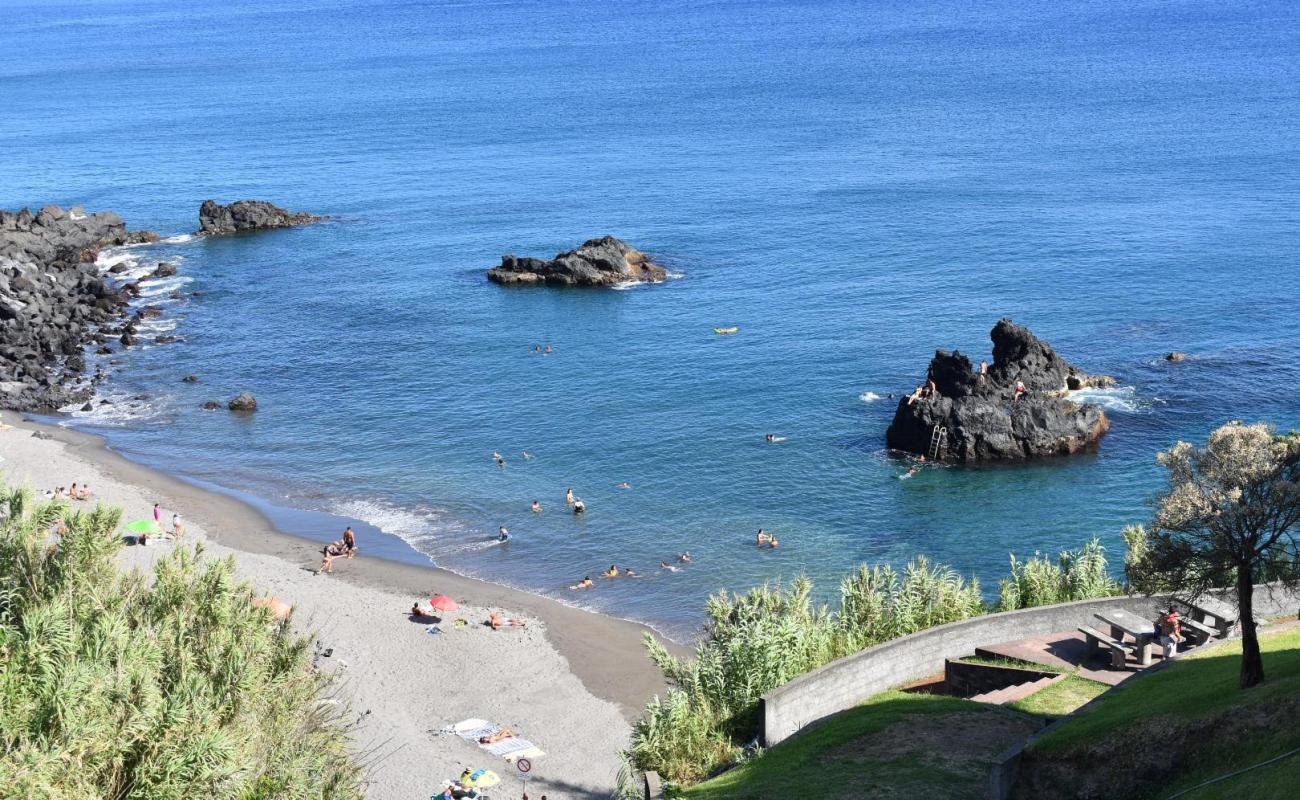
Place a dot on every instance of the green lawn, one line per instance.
(1060, 698)
(1197, 685)
(1013, 662)
(896, 745)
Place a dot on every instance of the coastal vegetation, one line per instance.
(756, 641)
(1227, 518)
(172, 685)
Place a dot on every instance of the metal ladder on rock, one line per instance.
(938, 438)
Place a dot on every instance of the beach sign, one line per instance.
(524, 765)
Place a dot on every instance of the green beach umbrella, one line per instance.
(142, 526)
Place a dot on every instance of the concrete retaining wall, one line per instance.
(843, 684)
(968, 680)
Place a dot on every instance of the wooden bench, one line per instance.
(1119, 651)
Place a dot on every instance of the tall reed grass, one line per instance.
(113, 685)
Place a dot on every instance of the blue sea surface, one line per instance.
(852, 184)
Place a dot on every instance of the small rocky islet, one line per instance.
(243, 216)
(607, 261)
(965, 415)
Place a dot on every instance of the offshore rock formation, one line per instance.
(599, 262)
(53, 301)
(963, 416)
(248, 215)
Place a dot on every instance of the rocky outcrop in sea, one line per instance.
(53, 301)
(248, 215)
(598, 262)
(1016, 409)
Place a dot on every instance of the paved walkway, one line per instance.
(1064, 650)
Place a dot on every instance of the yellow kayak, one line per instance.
(725, 331)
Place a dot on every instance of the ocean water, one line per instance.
(852, 184)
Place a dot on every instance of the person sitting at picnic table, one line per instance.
(1171, 631)
(493, 738)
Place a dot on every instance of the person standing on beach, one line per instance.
(157, 515)
(177, 527)
(350, 542)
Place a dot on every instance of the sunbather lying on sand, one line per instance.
(497, 622)
(499, 736)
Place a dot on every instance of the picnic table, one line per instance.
(1205, 609)
(1140, 628)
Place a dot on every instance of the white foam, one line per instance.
(178, 239)
(155, 325)
(870, 397)
(1116, 398)
(414, 526)
(153, 288)
(121, 410)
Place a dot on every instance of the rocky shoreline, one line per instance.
(54, 302)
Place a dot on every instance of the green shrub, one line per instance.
(1076, 575)
(115, 686)
(758, 640)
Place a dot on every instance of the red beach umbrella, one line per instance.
(442, 602)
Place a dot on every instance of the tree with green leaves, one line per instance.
(1228, 518)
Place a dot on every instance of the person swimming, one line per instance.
(667, 566)
(762, 538)
(612, 572)
(628, 572)
(685, 558)
(526, 455)
(623, 485)
(568, 496)
(770, 437)
(497, 457)
(503, 535)
(773, 542)
(549, 349)
(579, 507)
(537, 506)
(585, 583)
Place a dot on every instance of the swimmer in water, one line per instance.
(667, 566)
(537, 348)
(612, 572)
(500, 459)
(579, 507)
(685, 558)
(623, 485)
(770, 438)
(628, 572)
(762, 538)
(773, 542)
(585, 583)
(568, 496)
(526, 455)
(503, 535)
(537, 506)
(549, 350)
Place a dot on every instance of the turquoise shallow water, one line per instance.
(851, 184)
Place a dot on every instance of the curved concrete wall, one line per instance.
(843, 684)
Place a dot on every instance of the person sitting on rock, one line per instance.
(1020, 390)
(916, 395)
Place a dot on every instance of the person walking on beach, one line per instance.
(350, 542)
(157, 515)
(177, 527)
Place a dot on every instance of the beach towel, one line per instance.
(505, 747)
(474, 729)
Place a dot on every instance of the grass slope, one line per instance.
(894, 745)
(1230, 728)
(1060, 698)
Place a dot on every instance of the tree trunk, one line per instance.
(1252, 663)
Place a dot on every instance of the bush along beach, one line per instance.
(166, 686)
(756, 641)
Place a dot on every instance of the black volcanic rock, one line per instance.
(243, 402)
(980, 415)
(598, 262)
(248, 215)
(53, 301)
